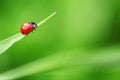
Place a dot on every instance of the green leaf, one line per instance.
(8, 42)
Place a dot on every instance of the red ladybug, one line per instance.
(28, 27)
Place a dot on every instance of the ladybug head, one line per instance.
(34, 25)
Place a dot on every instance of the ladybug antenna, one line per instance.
(46, 19)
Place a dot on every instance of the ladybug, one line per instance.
(28, 27)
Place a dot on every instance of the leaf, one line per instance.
(8, 42)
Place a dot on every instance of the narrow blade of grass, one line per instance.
(41, 65)
(46, 19)
(64, 59)
(8, 42)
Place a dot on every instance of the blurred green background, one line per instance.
(88, 31)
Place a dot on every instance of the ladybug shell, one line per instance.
(26, 28)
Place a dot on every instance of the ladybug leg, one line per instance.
(35, 29)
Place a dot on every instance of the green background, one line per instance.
(82, 29)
